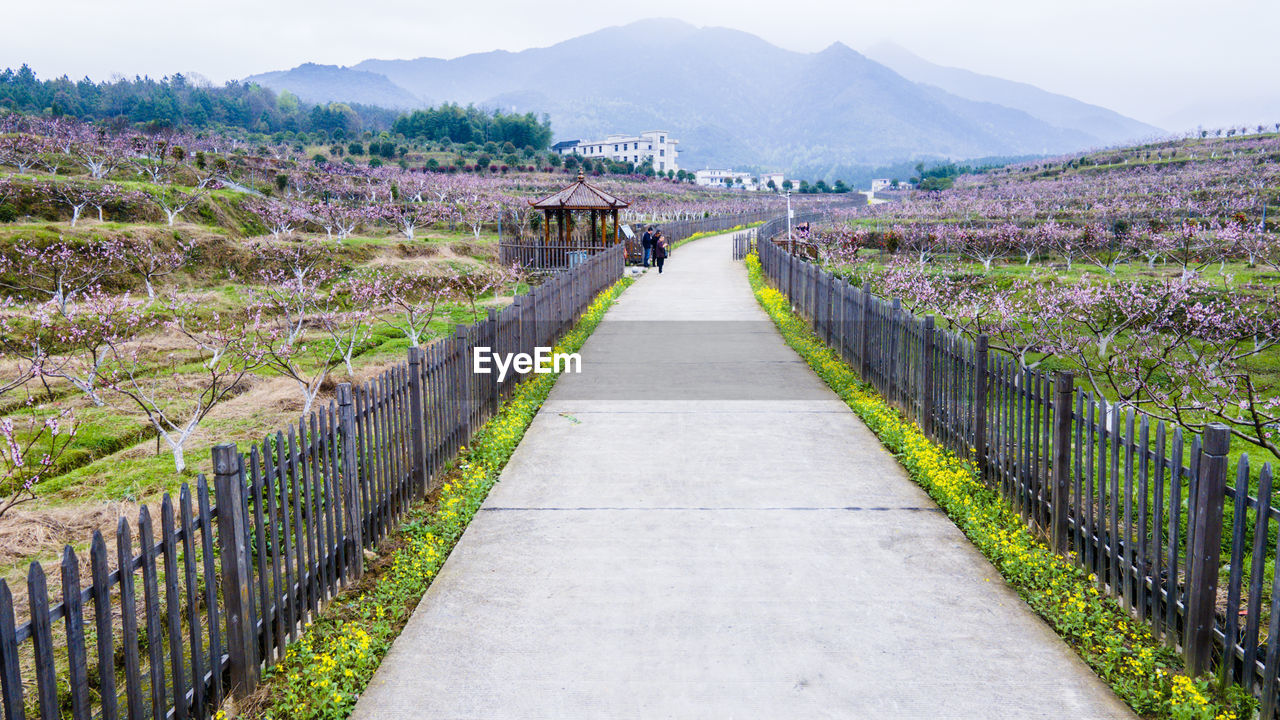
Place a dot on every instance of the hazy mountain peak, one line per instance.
(837, 48)
(660, 25)
(1107, 126)
(318, 83)
(830, 109)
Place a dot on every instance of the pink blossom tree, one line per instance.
(99, 156)
(341, 218)
(32, 436)
(407, 217)
(151, 262)
(155, 156)
(174, 200)
(111, 195)
(404, 303)
(76, 344)
(280, 218)
(175, 400)
(1177, 351)
(75, 196)
(295, 324)
(20, 150)
(59, 270)
(31, 443)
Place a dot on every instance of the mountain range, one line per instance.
(733, 99)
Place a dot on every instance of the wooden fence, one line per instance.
(1148, 510)
(226, 586)
(535, 254)
(743, 243)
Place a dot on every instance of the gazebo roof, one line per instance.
(581, 195)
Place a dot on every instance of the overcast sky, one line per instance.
(1162, 61)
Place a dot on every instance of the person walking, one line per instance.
(646, 242)
(660, 250)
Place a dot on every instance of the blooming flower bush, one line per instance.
(324, 673)
(1142, 671)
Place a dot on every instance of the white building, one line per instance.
(735, 179)
(656, 144)
(880, 184)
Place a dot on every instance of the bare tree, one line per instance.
(152, 263)
(60, 270)
(176, 401)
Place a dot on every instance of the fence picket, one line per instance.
(77, 660)
(1159, 594)
(259, 550)
(42, 640)
(1144, 527)
(1257, 569)
(10, 668)
(216, 658)
(194, 640)
(1240, 507)
(128, 621)
(173, 607)
(1175, 541)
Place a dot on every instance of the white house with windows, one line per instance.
(881, 184)
(656, 144)
(738, 180)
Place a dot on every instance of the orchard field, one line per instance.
(164, 291)
(1152, 272)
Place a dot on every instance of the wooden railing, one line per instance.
(227, 586)
(538, 255)
(1134, 501)
(744, 243)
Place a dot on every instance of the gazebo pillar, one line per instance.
(615, 226)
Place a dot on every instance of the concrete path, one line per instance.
(696, 527)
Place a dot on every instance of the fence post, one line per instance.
(829, 282)
(465, 385)
(498, 346)
(1204, 545)
(791, 279)
(517, 303)
(1061, 490)
(892, 366)
(926, 376)
(980, 350)
(529, 331)
(864, 363)
(233, 553)
(354, 544)
(417, 422)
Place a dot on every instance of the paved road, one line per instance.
(696, 527)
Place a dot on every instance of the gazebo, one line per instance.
(580, 196)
